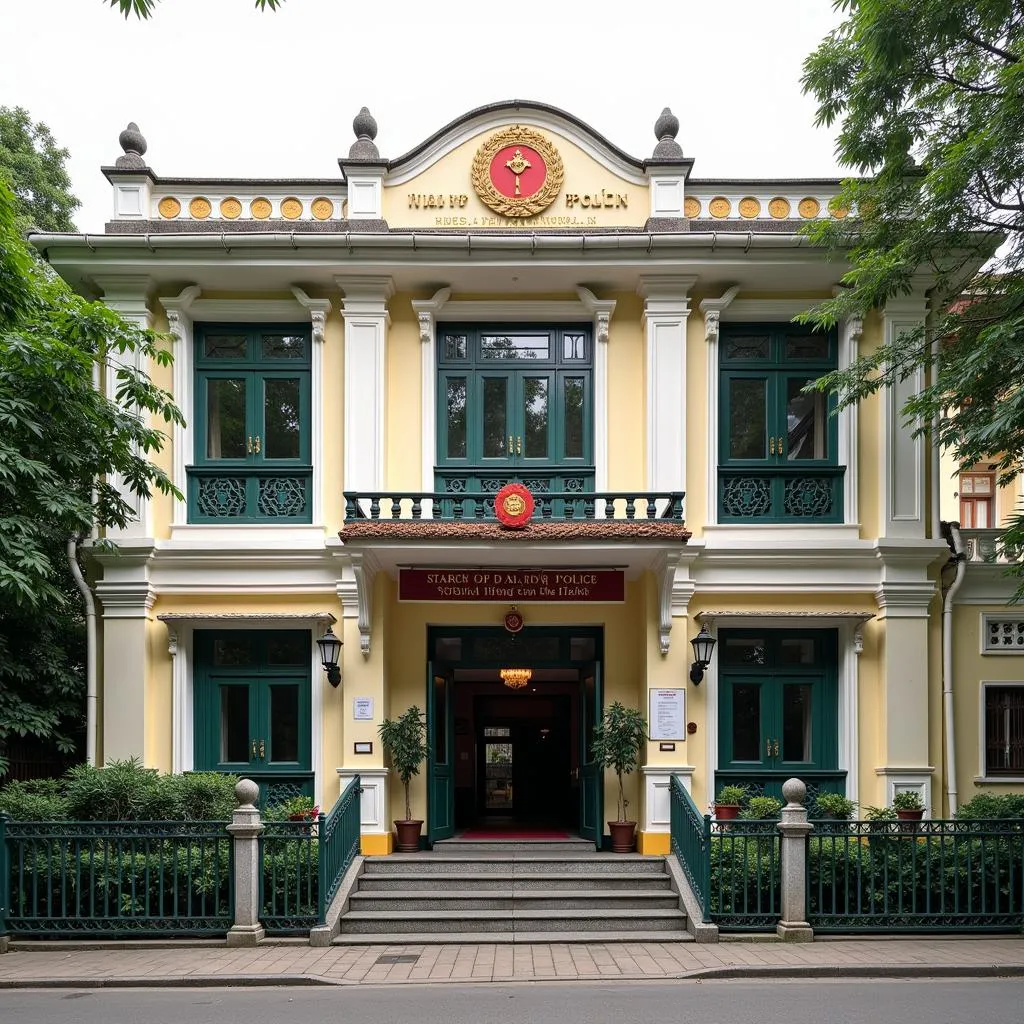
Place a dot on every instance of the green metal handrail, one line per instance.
(339, 843)
(691, 842)
(65, 879)
(916, 876)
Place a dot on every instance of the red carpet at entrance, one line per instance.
(509, 833)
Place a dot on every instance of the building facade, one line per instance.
(367, 362)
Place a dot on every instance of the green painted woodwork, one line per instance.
(514, 401)
(591, 707)
(252, 424)
(778, 714)
(778, 447)
(441, 741)
(252, 708)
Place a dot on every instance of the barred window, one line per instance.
(1004, 730)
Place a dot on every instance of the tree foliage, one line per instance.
(929, 99)
(33, 165)
(145, 8)
(62, 443)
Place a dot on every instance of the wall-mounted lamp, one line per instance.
(330, 652)
(703, 647)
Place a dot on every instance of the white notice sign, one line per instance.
(667, 714)
(362, 709)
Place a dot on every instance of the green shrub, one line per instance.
(993, 805)
(201, 796)
(907, 800)
(731, 796)
(298, 808)
(122, 791)
(762, 808)
(834, 805)
(35, 800)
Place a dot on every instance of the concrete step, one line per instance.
(408, 881)
(517, 863)
(401, 922)
(409, 939)
(579, 846)
(594, 901)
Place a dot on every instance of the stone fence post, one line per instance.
(246, 828)
(793, 925)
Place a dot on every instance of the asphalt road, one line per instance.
(867, 1001)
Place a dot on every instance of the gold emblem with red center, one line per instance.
(513, 506)
(517, 172)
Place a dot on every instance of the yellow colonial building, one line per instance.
(516, 415)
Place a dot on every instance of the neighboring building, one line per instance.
(365, 360)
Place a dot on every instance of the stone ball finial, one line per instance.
(666, 128)
(365, 127)
(133, 143)
(246, 792)
(794, 791)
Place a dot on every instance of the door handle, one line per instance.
(258, 444)
(263, 751)
(775, 751)
(768, 747)
(511, 446)
(519, 446)
(771, 445)
(248, 448)
(781, 449)
(254, 750)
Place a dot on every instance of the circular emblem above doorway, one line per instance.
(513, 505)
(514, 621)
(517, 172)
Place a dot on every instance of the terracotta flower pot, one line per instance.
(407, 836)
(726, 812)
(622, 835)
(909, 814)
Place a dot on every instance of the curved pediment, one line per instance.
(517, 164)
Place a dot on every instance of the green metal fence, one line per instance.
(290, 877)
(339, 843)
(691, 842)
(745, 876)
(71, 878)
(919, 876)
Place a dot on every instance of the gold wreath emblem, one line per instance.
(517, 206)
(514, 505)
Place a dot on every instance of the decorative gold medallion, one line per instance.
(691, 207)
(200, 208)
(837, 210)
(749, 207)
(719, 207)
(291, 208)
(260, 208)
(809, 208)
(779, 208)
(169, 207)
(322, 208)
(517, 172)
(230, 208)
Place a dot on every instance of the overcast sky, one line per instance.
(221, 89)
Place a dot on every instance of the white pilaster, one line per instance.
(373, 803)
(133, 195)
(602, 310)
(851, 330)
(902, 460)
(128, 295)
(365, 191)
(657, 798)
(666, 310)
(179, 324)
(427, 311)
(365, 310)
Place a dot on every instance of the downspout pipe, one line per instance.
(960, 557)
(90, 651)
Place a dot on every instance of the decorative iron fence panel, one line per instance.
(290, 877)
(71, 878)
(916, 876)
(339, 843)
(745, 875)
(691, 842)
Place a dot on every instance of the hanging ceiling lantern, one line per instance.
(516, 678)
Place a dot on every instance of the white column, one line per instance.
(602, 310)
(427, 311)
(128, 296)
(365, 310)
(666, 310)
(903, 457)
(851, 330)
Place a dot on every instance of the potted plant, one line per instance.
(728, 801)
(908, 806)
(405, 743)
(761, 808)
(835, 806)
(618, 741)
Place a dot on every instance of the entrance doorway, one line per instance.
(514, 759)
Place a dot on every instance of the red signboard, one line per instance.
(511, 585)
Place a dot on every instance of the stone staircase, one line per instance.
(547, 891)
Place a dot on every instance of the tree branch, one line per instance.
(996, 51)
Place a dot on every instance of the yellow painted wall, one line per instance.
(627, 405)
(404, 402)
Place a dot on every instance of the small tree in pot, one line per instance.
(618, 741)
(405, 743)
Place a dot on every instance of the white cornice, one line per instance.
(781, 310)
(249, 310)
(459, 310)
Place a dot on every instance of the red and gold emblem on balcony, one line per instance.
(517, 172)
(513, 506)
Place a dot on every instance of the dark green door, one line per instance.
(591, 773)
(440, 737)
(252, 710)
(778, 709)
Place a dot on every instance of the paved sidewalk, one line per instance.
(283, 964)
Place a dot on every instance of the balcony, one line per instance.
(985, 546)
(478, 506)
